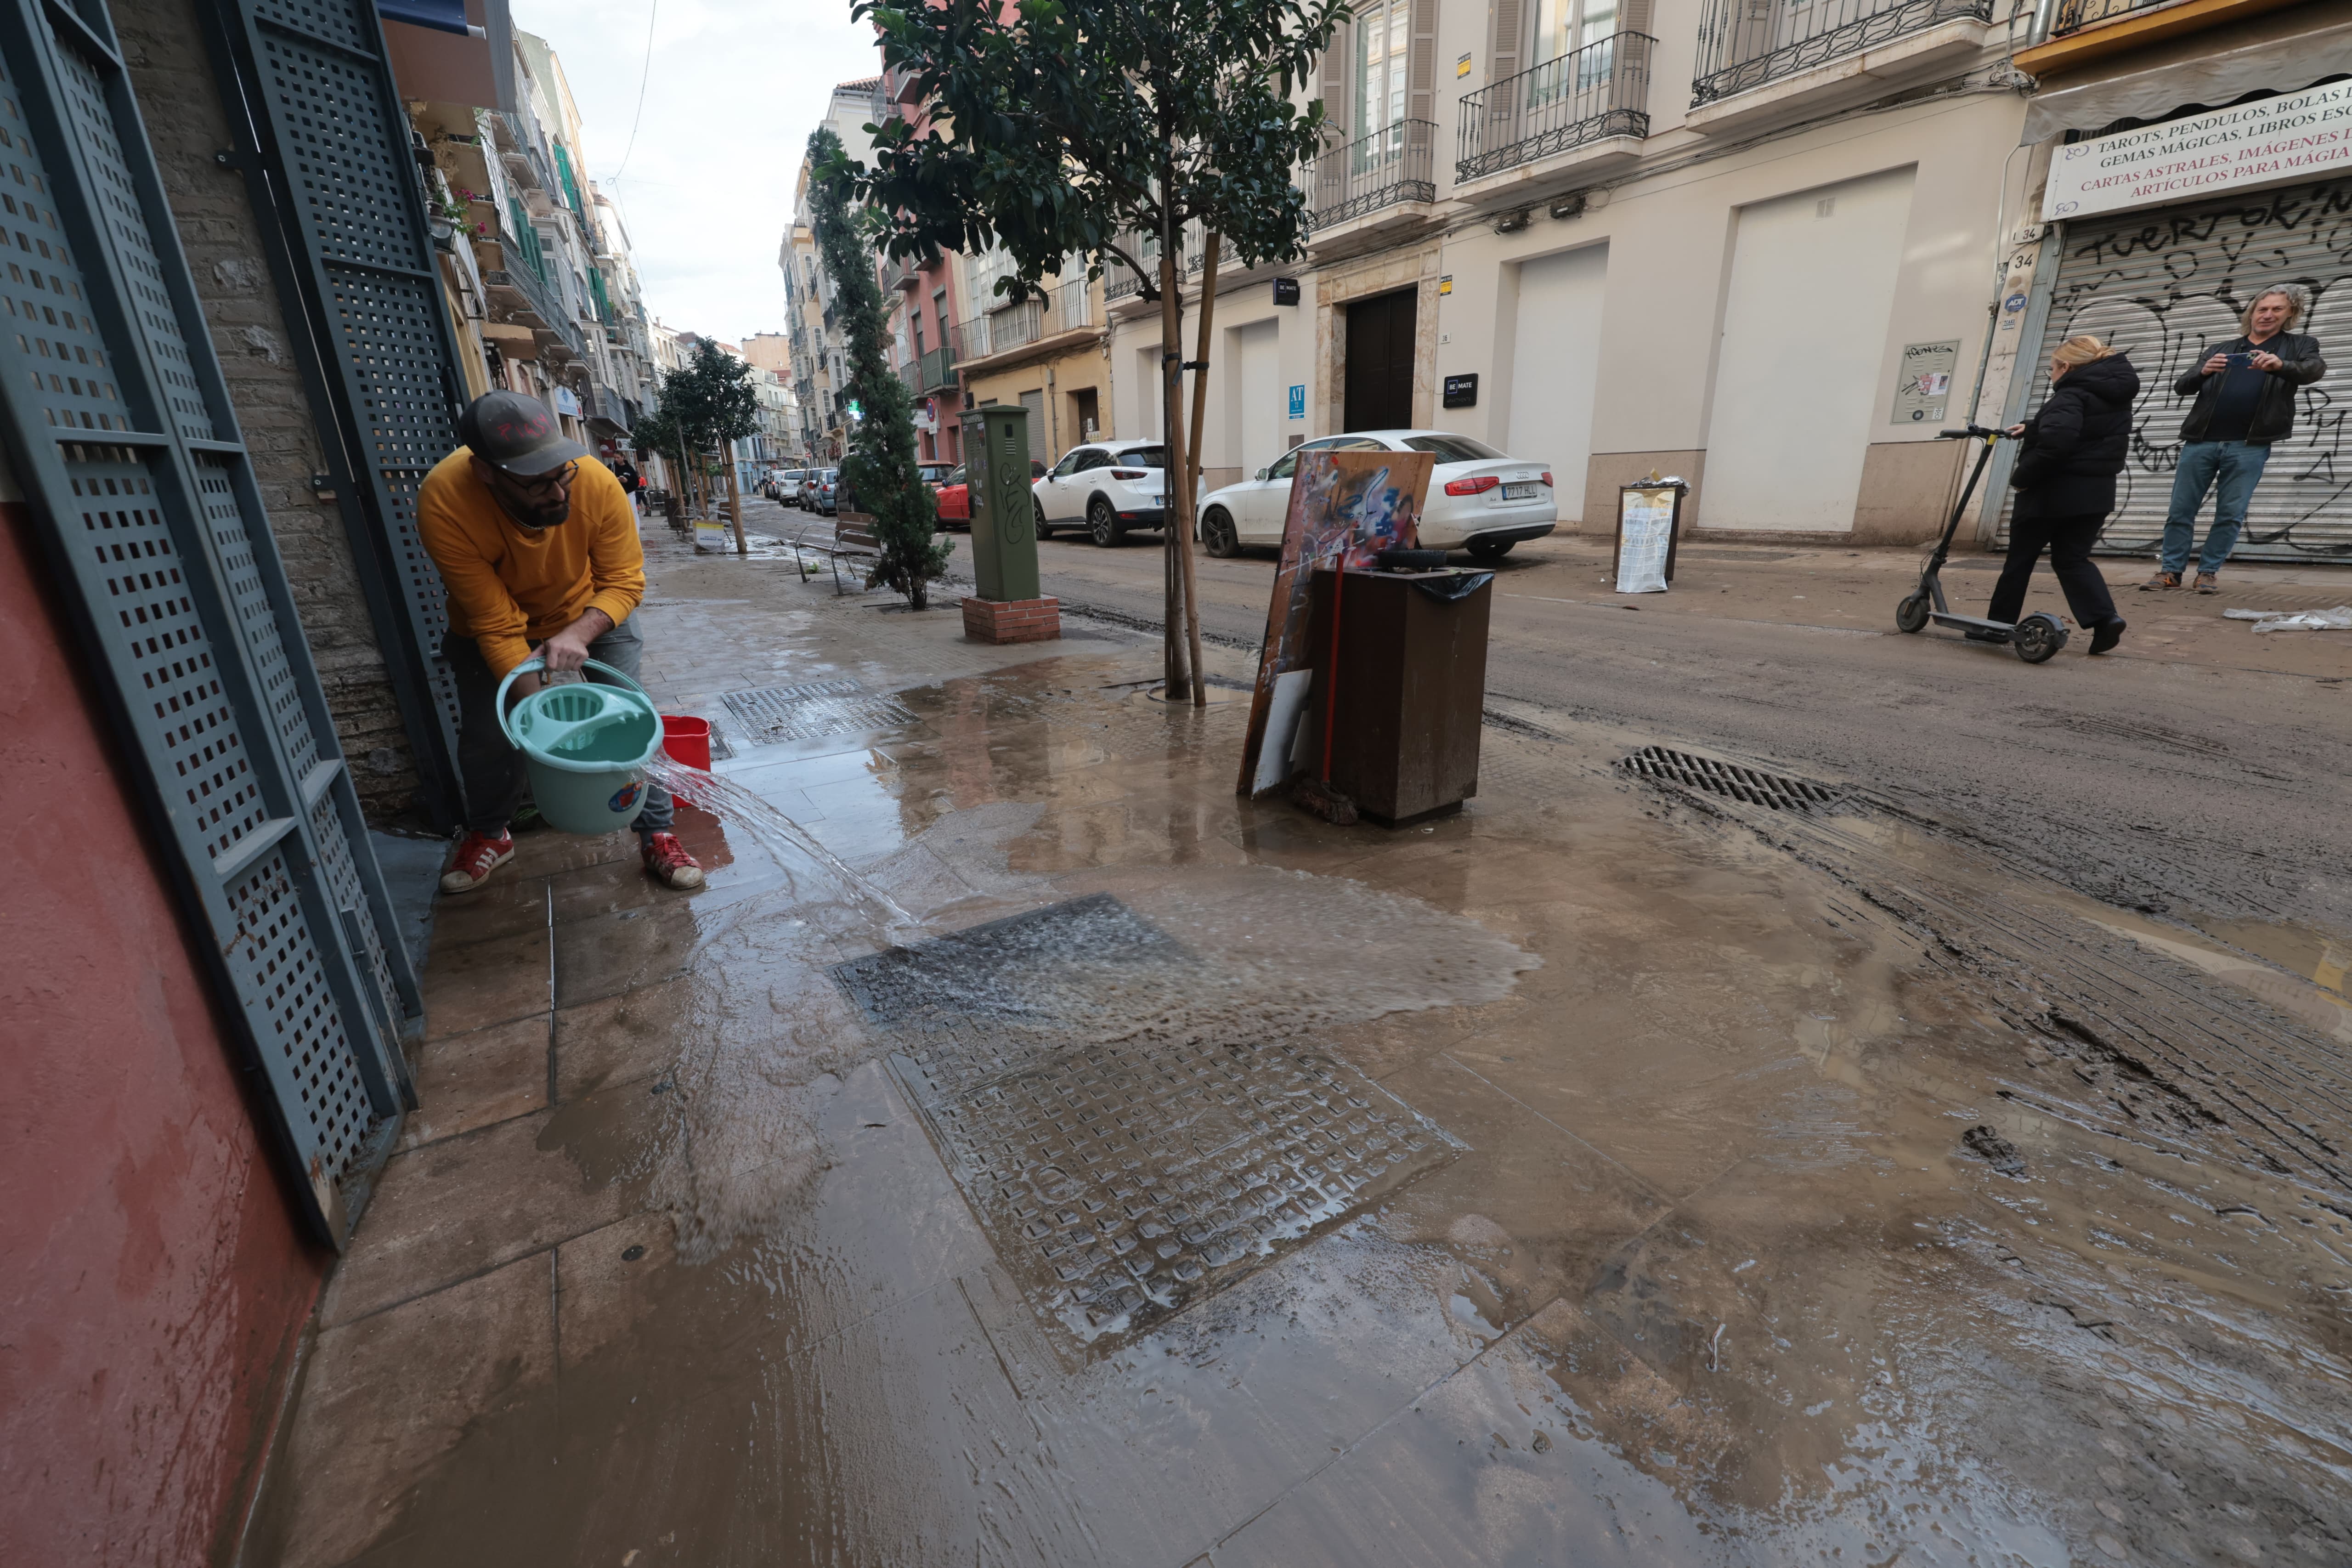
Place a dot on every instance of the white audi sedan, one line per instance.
(1105, 487)
(1479, 499)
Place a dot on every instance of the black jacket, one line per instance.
(2274, 412)
(2076, 445)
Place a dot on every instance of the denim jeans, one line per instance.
(2230, 469)
(488, 762)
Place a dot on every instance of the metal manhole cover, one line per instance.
(1121, 1173)
(775, 713)
(1751, 785)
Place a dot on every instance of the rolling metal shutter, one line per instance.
(2165, 285)
(328, 162)
(120, 429)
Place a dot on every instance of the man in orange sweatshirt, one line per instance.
(538, 545)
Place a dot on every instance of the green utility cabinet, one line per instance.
(1004, 514)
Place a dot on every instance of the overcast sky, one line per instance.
(735, 89)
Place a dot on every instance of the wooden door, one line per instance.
(1378, 390)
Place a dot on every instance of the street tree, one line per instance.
(657, 430)
(1103, 128)
(880, 471)
(711, 400)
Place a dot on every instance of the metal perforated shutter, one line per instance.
(332, 166)
(2165, 286)
(120, 431)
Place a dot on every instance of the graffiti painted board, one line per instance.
(1923, 382)
(2165, 287)
(1345, 508)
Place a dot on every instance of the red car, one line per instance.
(955, 495)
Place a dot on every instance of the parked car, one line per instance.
(953, 497)
(934, 474)
(1105, 487)
(824, 491)
(1480, 499)
(788, 485)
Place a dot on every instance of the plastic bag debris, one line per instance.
(2339, 619)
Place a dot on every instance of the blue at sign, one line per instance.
(1298, 403)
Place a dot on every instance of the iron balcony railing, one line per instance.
(538, 295)
(2073, 15)
(939, 370)
(1121, 284)
(911, 372)
(1067, 308)
(1744, 44)
(1388, 167)
(1598, 91)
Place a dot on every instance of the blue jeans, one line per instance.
(2230, 469)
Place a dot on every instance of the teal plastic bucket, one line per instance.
(585, 745)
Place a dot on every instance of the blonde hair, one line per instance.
(2080, 349)
(2298, 305)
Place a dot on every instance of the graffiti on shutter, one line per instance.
(2166, 286)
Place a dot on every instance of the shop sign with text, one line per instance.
(2303, 136)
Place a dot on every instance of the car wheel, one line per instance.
(1045, 529)
(1218, 536)
(1489, 548)
(1103, 523)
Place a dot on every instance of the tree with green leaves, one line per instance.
(710, 401)
(880, 471)
(1053, 127)
(657, 430)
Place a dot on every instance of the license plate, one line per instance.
(1519, 492)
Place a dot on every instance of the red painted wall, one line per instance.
(153, 1283)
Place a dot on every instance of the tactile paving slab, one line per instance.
(771, 714)
(1124, 1176)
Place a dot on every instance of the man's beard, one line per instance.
(537, 514)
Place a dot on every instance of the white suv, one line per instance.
(1106, 488)
(788, 486)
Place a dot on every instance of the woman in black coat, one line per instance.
(2065, 480)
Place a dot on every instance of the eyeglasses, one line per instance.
(553, 480)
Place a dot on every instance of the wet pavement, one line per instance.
(1620, 1172)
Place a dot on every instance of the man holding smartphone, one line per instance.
(2245, 392)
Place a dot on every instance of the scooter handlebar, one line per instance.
(1973, 432)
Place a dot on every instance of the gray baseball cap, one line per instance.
(519, 434)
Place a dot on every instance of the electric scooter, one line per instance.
(2037, 638)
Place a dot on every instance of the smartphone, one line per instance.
(2241, 361)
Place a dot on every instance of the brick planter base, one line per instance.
(1013, 620)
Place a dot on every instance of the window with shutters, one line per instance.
(1383, 39)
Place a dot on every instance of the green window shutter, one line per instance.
(563, 172)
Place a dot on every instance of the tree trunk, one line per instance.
(1193, 466)
(1172, 391)
(735, 501)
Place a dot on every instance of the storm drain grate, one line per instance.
(807, 712)
(1124, 1173)
(1751, 785)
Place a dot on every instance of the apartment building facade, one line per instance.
(820, 344)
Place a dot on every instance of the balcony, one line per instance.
(938, 371)
(1589, 97)
(1064, 309)
(1372, 186)
(906, 273)
(2070, 32)
(1876, 45)
(518, 293)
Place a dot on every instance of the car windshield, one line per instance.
(1144, 457)
(1451, 448)
(796, 474)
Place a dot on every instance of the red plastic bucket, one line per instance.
(687, 740)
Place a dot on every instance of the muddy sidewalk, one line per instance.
(1624, 1170)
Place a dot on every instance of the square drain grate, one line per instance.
(1123, 1175)
(1754, 785)
(776, 713)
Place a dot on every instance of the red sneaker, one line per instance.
(671, 865)
(478, 857)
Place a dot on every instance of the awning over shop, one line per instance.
(451, 52)
(2286, 65)
(441, 15)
